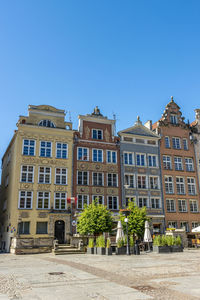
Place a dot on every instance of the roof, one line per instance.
(139, 130)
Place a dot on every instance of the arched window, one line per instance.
(46, 123)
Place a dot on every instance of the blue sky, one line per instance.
(127, 57)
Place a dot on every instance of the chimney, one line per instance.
(148, 124)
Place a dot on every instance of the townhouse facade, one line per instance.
(96, 163)
(36, 181)
(179, 169)
(141, 173)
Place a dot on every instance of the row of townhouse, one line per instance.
(47, 164)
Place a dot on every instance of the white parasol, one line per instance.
(197, 229)
(120, 232)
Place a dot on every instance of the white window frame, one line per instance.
(96, 197)
(154, 184)
(44, 175)
(172, 223)
(28, 146)
(101, 150)
(169, 184)
(167, 162)
(189, 164)
(169, 206)
(145, 160)
(150, 156)
(180, 185)
(130, 156)
(178, 163)
(129, 181)
(25, 202)
(143, 198)
(193, 204)
(43, 197)
(97, 134)
(117, 199)
(98, 175)
(83, 156)
(61, 176)
(186, 225)
(175, 142)
(185, 144)
(62, 150)
(82, 180)
(167, 142)
(156, 202)
(112, 181)
(195, 224)
(27, 172)
(183, 205)
(82, 200)
(191, 186)
(46, 148)
(111, 160)
(60, 200)
(173, 119)
(146, 182)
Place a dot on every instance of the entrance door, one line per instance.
(60, 231)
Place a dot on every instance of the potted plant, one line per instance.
(90, 247)
(108, 247)
(177, 246)
(160, 244)
(131, 243)
(121, 249)
(100, 244)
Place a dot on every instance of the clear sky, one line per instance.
(128, 57)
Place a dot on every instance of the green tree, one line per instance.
(136, 220)
(95, 219)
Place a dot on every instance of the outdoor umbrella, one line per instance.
(120, 233)
(197, 229)
(147, 234)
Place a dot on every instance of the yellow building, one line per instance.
(36, 182)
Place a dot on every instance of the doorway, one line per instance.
(60, 231)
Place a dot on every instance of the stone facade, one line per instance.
(37, 178)
(141, 173)
(179, 171)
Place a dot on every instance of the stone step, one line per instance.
(68, 252)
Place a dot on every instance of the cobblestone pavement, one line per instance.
(148, 276)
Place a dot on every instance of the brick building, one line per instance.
(179, 172)
(96, 162)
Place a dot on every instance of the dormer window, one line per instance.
(47, 123)
(173, 119)
(97, 134)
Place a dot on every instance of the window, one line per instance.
(170, 203)
(176, 143)
(191, 185)
(41, 227)
(152, 161)
(45, 149)
(173, 119)
(98, 198)
(61, 150)
(153, 182)
(182, 205)
(61, 176)
(6, 180)
(189, 164)
(111, 156)
(185, 144)
(180, 185)
(82, 153)
(43, 200)
(27, 173)
(140, 159)
(25, 199)
(142, 202)
(97, 179)
(167, 142)
(97, 155)
(112, 179)
(172, 224)
(46, 123)
(193, 206)
(167, 162)
(60, 200)
(185, 225)
(155, 203)
(44, 175)
(129, 180)
(82, 178)
(195, 224)
(128, 158)
(178, 163)
(28, 147)
(97, 134)
(113, 202)
(129, 199)
(24, 227)
(169, 187)
(82, 201)
(142, 182)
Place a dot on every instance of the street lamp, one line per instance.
(126, 212)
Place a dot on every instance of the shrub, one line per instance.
(91, 243)
(100, 241)
(125, 239)
(108, 243)
(131, 241)
(120, 243)
(178, 241)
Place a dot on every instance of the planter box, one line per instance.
(162, 249)
(176, 248)
(120, 251)
(101, 251)
(109, 251)
(132, 250)
(90, 250)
